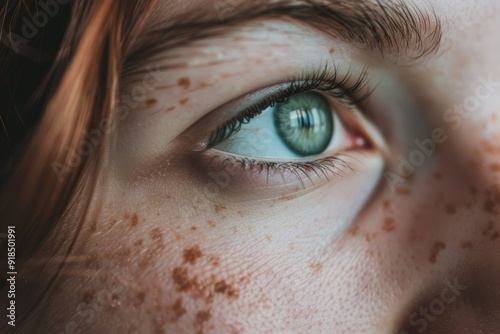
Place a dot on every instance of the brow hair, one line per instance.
(395, 27)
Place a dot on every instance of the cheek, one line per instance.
(440, 225)
(222, 266)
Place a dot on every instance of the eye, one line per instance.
(306, 125)
(301, 127)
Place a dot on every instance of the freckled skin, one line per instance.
(298, 264)
(184, 83)
(134, 220)
(436, 248)
(192, 254)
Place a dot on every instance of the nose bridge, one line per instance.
(450, 218)
(448, 228)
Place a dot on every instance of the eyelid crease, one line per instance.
(398, 27)
(321, 80)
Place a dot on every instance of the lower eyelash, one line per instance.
(324, 168)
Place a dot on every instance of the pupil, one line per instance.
(305, 120)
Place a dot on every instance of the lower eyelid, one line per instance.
(252, 173)
(222, 178)
(273, 172)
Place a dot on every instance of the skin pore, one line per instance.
(174, 244)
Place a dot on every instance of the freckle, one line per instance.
(472, 190)
(184, 100)
(170, 109)
(211, 223)
(214, 260)
(93, 226)
(151, 102)
(135, 220)
(141, 297)
(387, 204)
(218, 208)
(184, 83)
(354, 231)
(193, 228)
(388, 225)
(181, 279)
(269, 238)
(316, 267)
(450, 209)
(331, 51)
(220, 287)
(495, 235)
(495, 167)
(88, 296)
(203, 316)
(178, 309)
(192, 254)
(438, 176)
(467, 245)
(369, 237)
(156, 234)
(223, 288)
(138, 243)
(436, 248)
(178, 237)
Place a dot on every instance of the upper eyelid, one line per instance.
(401, 28)
(320, 81)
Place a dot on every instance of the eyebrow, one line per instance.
(390, 27)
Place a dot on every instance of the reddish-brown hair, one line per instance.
(72, 93)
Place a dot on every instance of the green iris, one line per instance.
(304, 123)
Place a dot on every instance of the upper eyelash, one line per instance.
(321, 80)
